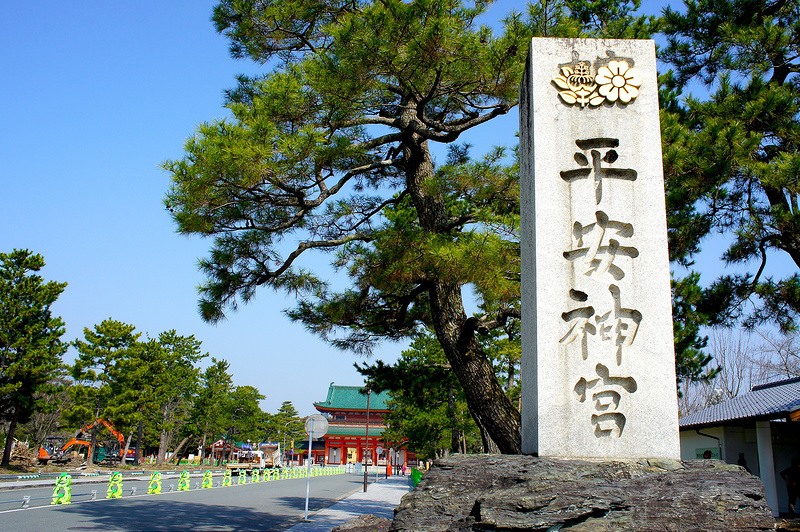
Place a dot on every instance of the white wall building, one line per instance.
(761, 427)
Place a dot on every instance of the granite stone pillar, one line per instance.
(598, 364)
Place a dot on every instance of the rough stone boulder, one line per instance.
(364, 523)
(491, 492)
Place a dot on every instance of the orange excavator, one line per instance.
(50, 451)
(54, 449)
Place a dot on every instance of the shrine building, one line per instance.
(346, 441)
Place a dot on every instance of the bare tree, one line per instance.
(745, 359)
(778, 355)
(734, 357)
(734, 353)
(46, 421)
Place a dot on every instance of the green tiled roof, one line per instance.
(351, 398)
(334, 430)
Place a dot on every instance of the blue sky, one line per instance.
(95, 96)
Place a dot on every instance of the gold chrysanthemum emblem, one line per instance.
(618, 81)
(615, 81)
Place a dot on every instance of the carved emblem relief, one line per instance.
(613, 80)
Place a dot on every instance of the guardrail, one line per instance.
(33, 476)
(62, 491)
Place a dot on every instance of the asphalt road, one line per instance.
(267, 506)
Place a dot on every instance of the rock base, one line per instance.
(492, 492)
(365, 523)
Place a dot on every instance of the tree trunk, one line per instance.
(179, 447)
(230, 450)
(92, 446)
(225, 446)
(93, 438)
(162, 448)
(12, 429)
(489, 446)
(165, 437)
(486, 399)
(124, 454)
(454, 432)
(138, 454)
(511, 373)
(203, 448)
(221, 454)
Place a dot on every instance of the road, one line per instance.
(267, 506)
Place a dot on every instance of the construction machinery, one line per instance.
(111, 451)
(55, 450)
(50, 448)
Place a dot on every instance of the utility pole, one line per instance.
(366, 442)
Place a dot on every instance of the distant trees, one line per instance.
(153, 383)
(156, 382)
(429, 409)
(30, 340)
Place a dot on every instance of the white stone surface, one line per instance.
(598, 367)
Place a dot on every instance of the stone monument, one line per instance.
(599, 403)
(598, 365)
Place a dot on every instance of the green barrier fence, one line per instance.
(114, 490)
(62, 493)
(155, 484)
(208, 480)
(416, 476)
(183, 481)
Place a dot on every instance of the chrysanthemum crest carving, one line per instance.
(615, 80)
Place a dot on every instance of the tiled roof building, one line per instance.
(352, 397)
(347, 440)
(759, 430)
(766, 401)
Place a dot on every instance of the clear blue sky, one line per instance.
(95, 96)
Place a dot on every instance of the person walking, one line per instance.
(791, 475)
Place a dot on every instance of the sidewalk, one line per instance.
(380, 500)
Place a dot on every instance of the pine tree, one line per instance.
(732, 160)
(30, 339)
(171, 367)
(244, 412)
(284, 426)
(331, 152)
(216, 384)
(98, 373)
